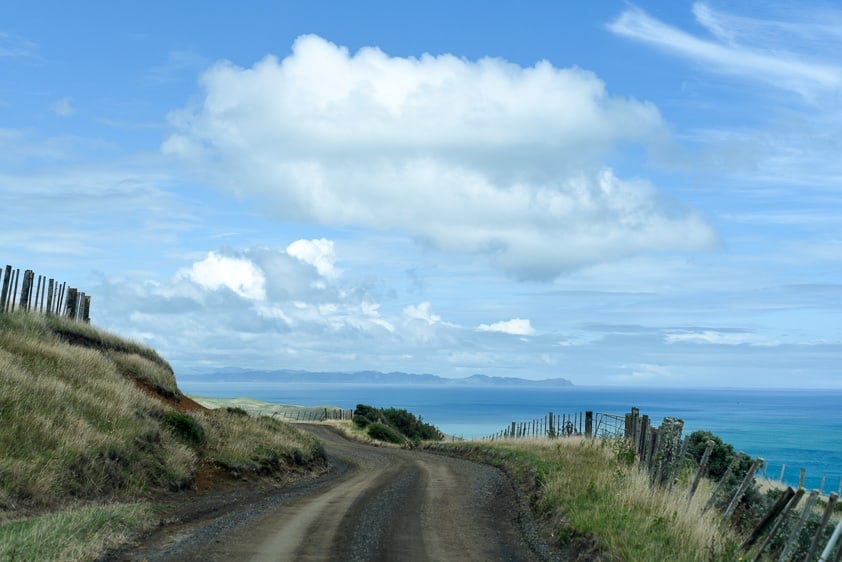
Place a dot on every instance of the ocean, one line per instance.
(791, 429)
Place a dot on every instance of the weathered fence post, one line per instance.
(808, 506)
(588, 423)
(702, 464)
(551, 432)
(512, 433)
(15, 289)
(767, 519)
(724, 480)
(741, 490)
(4, 293)
(793, 503)
(70, 306)
(676, 471)
(817, 537)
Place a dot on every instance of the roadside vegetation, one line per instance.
(392, 425)
(90, 424)
(596, 504)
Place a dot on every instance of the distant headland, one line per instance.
(366, 377)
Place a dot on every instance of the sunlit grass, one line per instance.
(596, 500)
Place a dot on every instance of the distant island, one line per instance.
(367, 377)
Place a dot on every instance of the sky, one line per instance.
(611, 192)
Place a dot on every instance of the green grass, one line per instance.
(78, 534)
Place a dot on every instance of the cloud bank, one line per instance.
(472, 157)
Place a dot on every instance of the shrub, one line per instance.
(414, 428)
(720, 457)
(185, 427)
(360, 421)
(383, 432)
(236, 411)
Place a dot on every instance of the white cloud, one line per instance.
(717, 338)
(515, 327)
(482, 157)
(239, 275)
(422, 312)
(744, 47)
(318, 253)
(63, 107)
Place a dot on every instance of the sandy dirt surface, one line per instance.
(374, 504)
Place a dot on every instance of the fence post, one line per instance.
(70, 306)
(828, 511)
(742, 489)
(15, 289)
(5, 291)
(793, 503)
(588, 423)
(767, 519)
(722, 481)
(702, 464)
(551, 430)
(38, 291)
(676, 471)
(25, 288)
(808, 506)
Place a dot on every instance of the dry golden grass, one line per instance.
(75, 427)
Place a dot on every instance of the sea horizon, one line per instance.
(791, 428)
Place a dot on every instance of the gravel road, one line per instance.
(375, 504)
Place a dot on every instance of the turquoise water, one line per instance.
(786, 427)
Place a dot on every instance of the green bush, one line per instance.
(720, 458)
(360, 421)
(236, 411)
(185, 428)
(412, 427)
(383, 432)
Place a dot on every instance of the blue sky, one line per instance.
(617, 193)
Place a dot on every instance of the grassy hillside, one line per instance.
(89, 419)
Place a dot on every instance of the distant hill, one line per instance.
(368, 377)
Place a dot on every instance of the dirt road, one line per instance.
(376, 504)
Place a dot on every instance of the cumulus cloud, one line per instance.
(422, 312)
(514, 327)
(483, 157)
(238, 275)
(318, 253)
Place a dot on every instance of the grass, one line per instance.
(596, 503)
(79, 534)
(76, 426)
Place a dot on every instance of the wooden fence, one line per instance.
(662, 451)
(42, 295)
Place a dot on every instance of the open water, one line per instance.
(788, 428)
